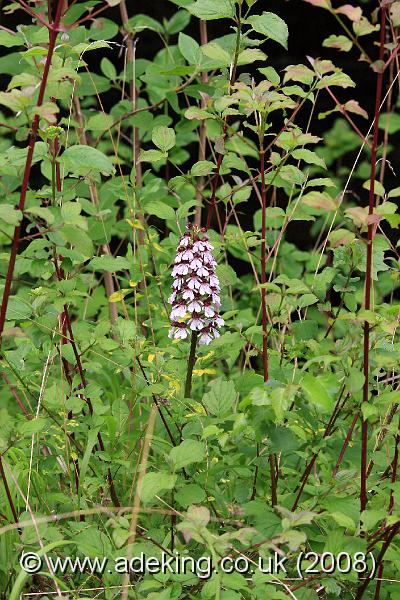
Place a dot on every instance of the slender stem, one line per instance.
(271, 459)
(345, 444)
(237, 47)
(202, 132)
(328, 429)
(216, 177)
(9, 497)
(28, 167)
(379, 559)
(351, 36)
(368, 274)
(264, 264)
(192, 360)
(14, 393)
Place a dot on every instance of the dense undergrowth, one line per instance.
(279, 437)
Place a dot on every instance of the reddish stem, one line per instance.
(264, 265)
(215, 180)
(14, 393)
(347, 116)
(10, 500)
(28, 167)
(368, 274)
(345, 444)
(271, 459)
(379, 559)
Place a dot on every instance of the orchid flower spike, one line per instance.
(195, 294)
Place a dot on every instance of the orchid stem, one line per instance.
(192, 360)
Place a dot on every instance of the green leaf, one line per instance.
(152, 156)
(221, 397)
(197, 113)
(160, 209)
(355, 380)
(33, 426)
(70, 213)
(212, 9)
(79, 239)
(83, 160)
(339, 42)
(271, 75)
(317, 393)
(219, 56)
(203, 167)
(99, 122)
(188, 452)
(163, 137)
(189, 49)
(154, 483)
(18, 309)
(379, 190)
(43, 213)
(226, 275)
(92, 542)
(190, 494)
(271, 26)
(108, 69)
(309, 157)
(394, 193)
(305, 330)
(9, 39)
(9, 214)
(112, 264)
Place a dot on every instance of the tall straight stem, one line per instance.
(368, 274)
(192, 360)
(272, 461)
(8, 493)
(28, 166)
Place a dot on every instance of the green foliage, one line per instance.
(102, 452)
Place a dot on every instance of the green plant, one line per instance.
(280, 437)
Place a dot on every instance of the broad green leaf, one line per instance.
(152, 155)
(339, 42)
(188, 452)
(197, 113)
(154, 483)
(159, 209)
(79, 239)
(99, 122)
(221, 397)
(9, 214)
(226, 275)
(202, 167)
(40, 211)
(93, 542)
(163, 137)
(189, 49)
(212, 9)
(112, 264)
(317, 393)
(33, 426)
(190, 493)
(309, 157)
(83, 160)
(9, 39)
(18, 309)
(394, 193)
(108, 68)
(271, 26)
(379, 190)
(219, 56)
